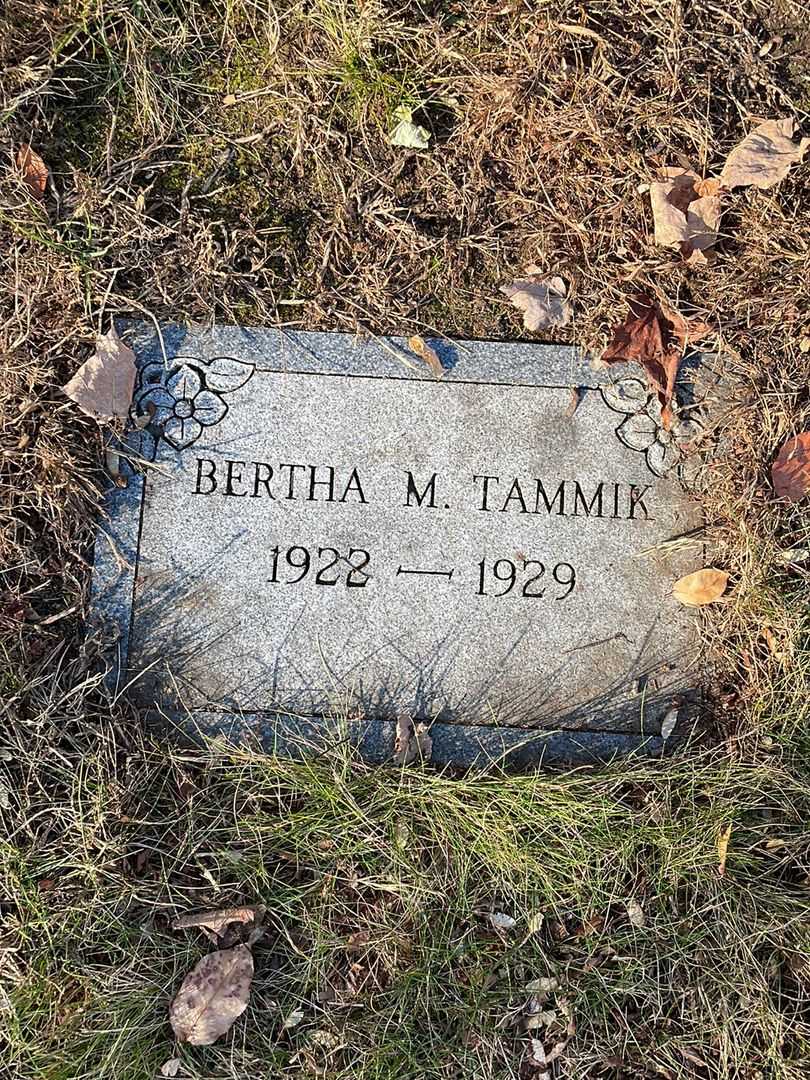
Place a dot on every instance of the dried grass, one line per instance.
(290, 206)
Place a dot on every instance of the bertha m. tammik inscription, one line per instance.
(324, 536)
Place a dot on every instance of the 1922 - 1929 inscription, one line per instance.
(327, 538)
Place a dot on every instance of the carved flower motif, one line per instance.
(182, 407)
(643, 429)
(176, 403)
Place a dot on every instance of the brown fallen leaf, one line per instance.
(701, 587)
(771, 642)
(764, 156)
(412, 741)
(635, 913)
(577, 394)
(102, 387)
(212, 996)
(427, 353)
(541, 299)
(34, 170)
(686, 212)
(790, 471)
(655, 336)
(218, 919)
(722, 849)
(533, 1065)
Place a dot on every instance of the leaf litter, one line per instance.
(541, 299)
(34, 171)
(723, 841)
(655, 336)
(686, 213)
(412, 741)
(701, 587)
(103, 385)
(216, 920)
(669, 723)
(790, 471)
(406, 133)
(427, 353)
(635, 913)
(212, 996)
(764, 156)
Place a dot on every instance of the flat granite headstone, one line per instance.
(318, 535)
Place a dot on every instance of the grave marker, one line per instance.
(327, 536)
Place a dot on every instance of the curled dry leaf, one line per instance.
(212, 996)
(218, 919)
(542, 300)
(412, 741)
(34, 170)
(427, 353)
(722, 849)
(102, 387)
(654, 336)
(669, 722)
(790, 471)
(358, 940)
(764, 156)
(686, 213)
(547, 984)
(701, 587)
(293, 1019)
(533, 1065)
(534, 1020)
(407, 133)
(501, 922)
(635, 913)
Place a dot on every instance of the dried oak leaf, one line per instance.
(212, 996)
(701, 587)
(686, 213)
(542, 300)
(427, 353)
(764, 156)
(34, 170)
(654, 336)
(102, 387)
(217, 919)
(790, 471)
(412, 741)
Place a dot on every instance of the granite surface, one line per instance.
(318, 534)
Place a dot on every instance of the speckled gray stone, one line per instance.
(256, 452)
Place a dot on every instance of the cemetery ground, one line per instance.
(233, 162)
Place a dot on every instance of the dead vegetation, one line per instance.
(234, 163)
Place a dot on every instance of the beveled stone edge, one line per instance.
(276, 349)
(115, 563)
(478, 746)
